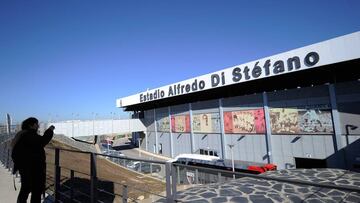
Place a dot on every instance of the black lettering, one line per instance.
(293, 62)
(201, 84)
(171, 93)
(182, 89)
(256, 71)
(236, 73)
(178, 89)
(311, 59)
(246, 71)
(222, 78)
(162, 93)
(187, 88)
(278, 67)
(194, 85)
(266, 67)
(215, 80)
(141, 98)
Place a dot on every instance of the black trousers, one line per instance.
(32, 181)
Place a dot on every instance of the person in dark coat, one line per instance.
(29, 158)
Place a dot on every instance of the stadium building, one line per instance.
(297, 109)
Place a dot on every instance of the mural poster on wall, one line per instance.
(300, 121)
(180, 124)
(245, 121)
(284, 121)
(206, 123)
(315, 121)
(163, 124)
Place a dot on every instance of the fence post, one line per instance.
(93, 178)
(57, 175)
(124, 194)
(3, 153)
(196, 176)
(8, 160)
(178, 174)
(174, 181)
(168, 184)
(72, 185)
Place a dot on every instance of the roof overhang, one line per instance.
(325, 62)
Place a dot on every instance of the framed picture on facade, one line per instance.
(206, 123)
(284, 121)
(301, 121)
(180, 124)
(245, 121)
(163, 124)
(315, 121)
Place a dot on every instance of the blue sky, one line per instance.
(66, 59)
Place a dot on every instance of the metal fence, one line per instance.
(13, 129)
(66, 184)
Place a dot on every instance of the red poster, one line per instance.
(228, 122)
(246, 121)
(187, 123)
(180, 124)
(259, 120)
(172, 124)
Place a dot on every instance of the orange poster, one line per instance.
(180, 123)
(246, 121)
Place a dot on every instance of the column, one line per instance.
(268, 128)
(222, 130)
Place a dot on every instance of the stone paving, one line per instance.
(261, 190)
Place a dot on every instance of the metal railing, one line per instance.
(62, 180)
(94, 180)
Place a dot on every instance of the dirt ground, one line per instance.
(111, 177)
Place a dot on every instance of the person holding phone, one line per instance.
(29, 158)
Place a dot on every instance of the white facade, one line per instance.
(76, 128)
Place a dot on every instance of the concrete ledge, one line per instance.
(153, 155)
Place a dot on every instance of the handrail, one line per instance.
(111, 156)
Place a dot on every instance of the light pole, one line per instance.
(232, 158)
(139, 141)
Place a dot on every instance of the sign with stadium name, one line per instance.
(328, 52)
(237, 74)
